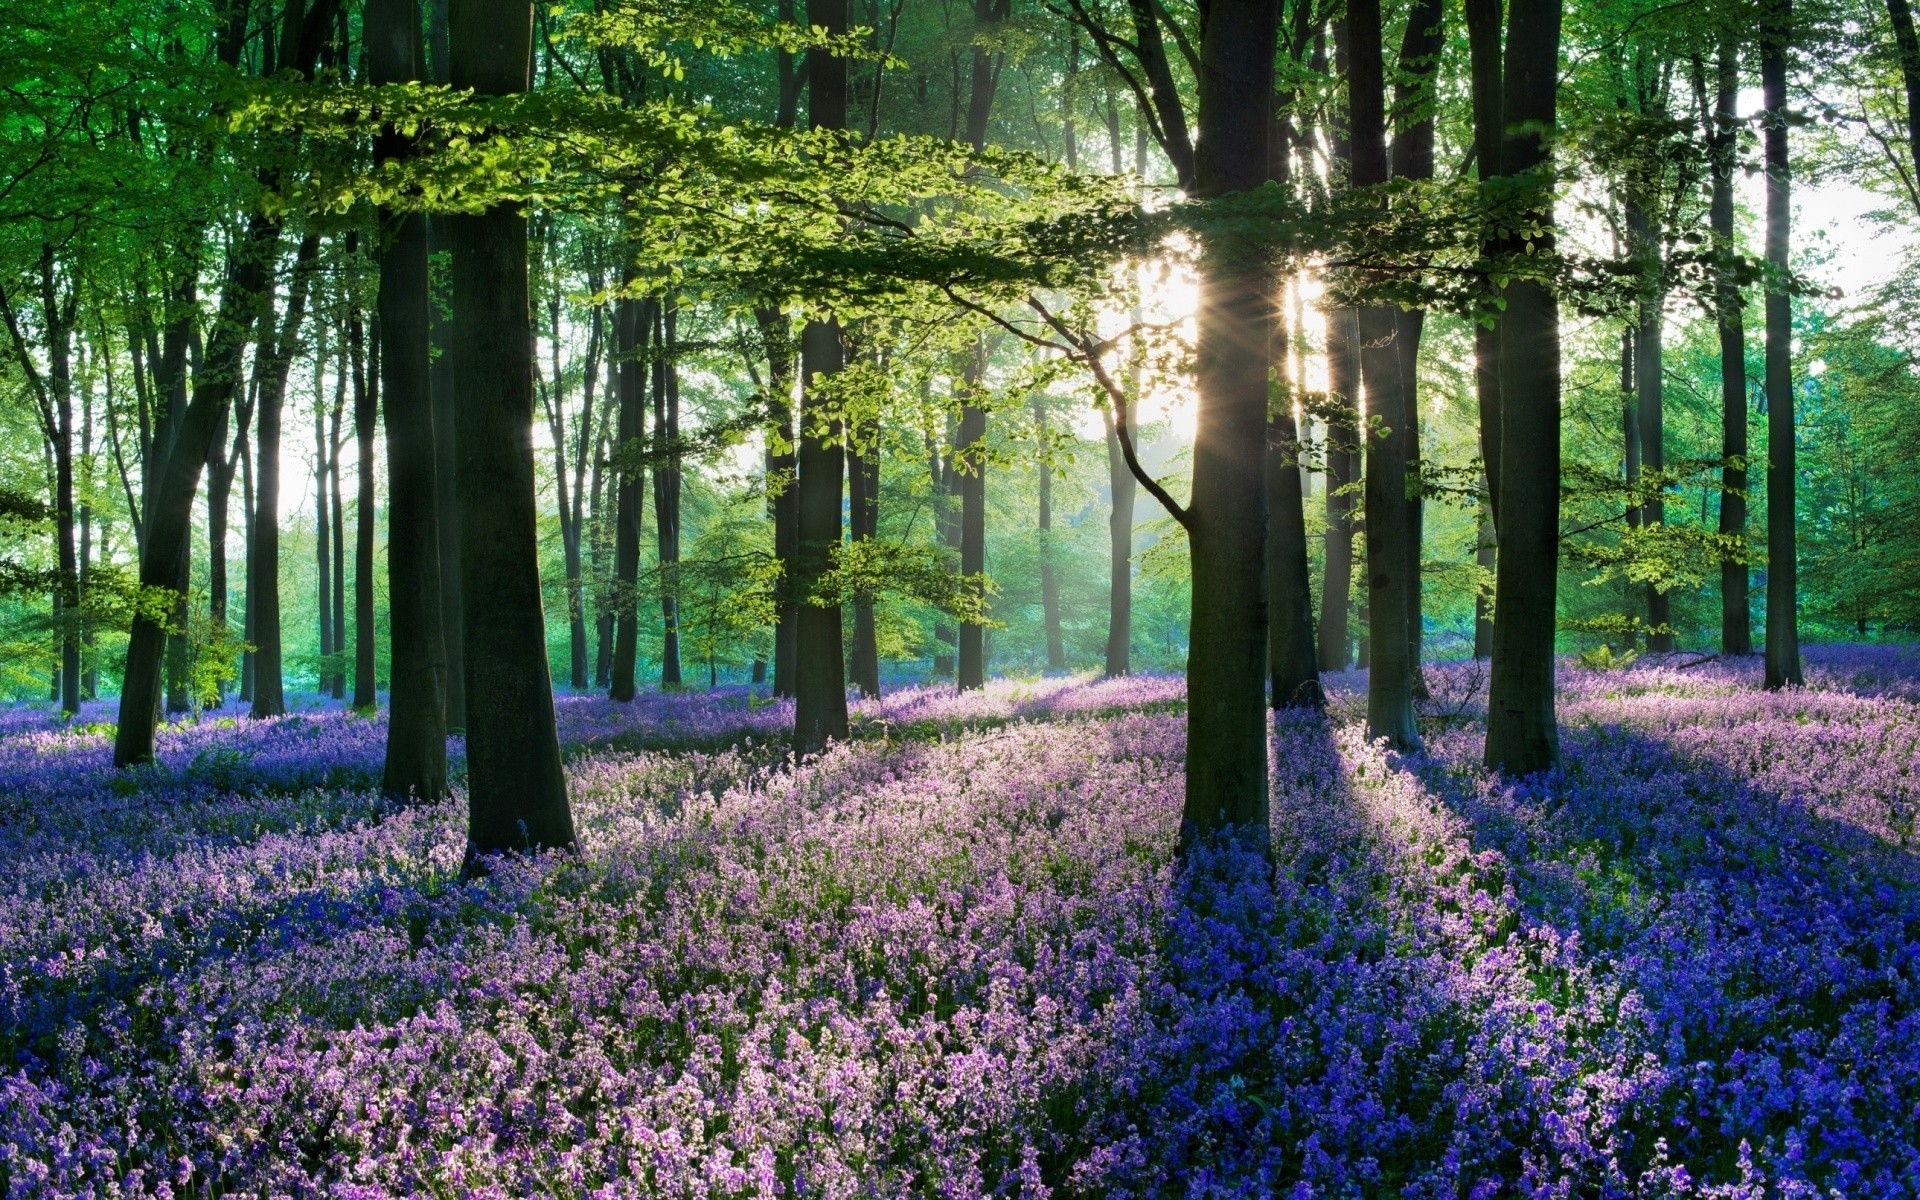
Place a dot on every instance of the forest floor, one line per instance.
(953, 957)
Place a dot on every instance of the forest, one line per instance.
(960, 598)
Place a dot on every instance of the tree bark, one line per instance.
(1119, 649)
(322, 528)
(516, 789)
(366, 417)
(1783, 582)
(820, 673)
(1489, 131)
(263, 561)
(1523, 734)
(1343, 471)
(1049, 581)
(863, 509)
(666, 487)
(1736, 618)
(782, 493)
(1383, 372)
(1227, 519)
(1292, 665)
(416, 758)
(337, 680)
(971, 468)
(971, 445)
(632, 319)
(1414, 107)
(1649, 347)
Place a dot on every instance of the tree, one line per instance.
(416, 758)
(1226, 520)
(820, 670)
(516, 790)
(1523, 734)
(263, 557)
(1783, 578)
(1736, 619)
(1384, 370)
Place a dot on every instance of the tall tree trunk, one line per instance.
(1630, 434)
(243, 449)
(516, 790)
(863, 495)
(1414, 106)
(1382, 370)
(1293, 668)
(1049, 581)
(782, 495)
(221, 464)
(1736, 619)
(337, 677)
(1483, 557)
(1649, 346)
(1523, 734)
(263, 560)
(323, 529)
(445, 400)
(970, 465)
(1488, 131)
(416, 760)
(1119, 651)
(820, 679)
(366, 413)
(666, 486)
(1227, 518)
(1343, 471)
(971, 671)
(1783, 571)
(632, 322)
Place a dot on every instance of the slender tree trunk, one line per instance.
(516, 790)
(366, 414)
(971, 446)
(322, 532)
(243, 449)
(337, 677)
(1489, 131)
(1343, 463)
(1783, 571)
(1227, 518)
(1483, 557)
(1382, 370)
(1119, 652)
(820, 677)
(632, 321)
(1049, 581)
(1292, 665)
(416, 761)
(782, 494)
(1630, 435)
(666, 487)
(220, 471)
(1649, 345)
(1522, 731)
(1414, 106)
(1736, 619)
(263, 561)
(970, 454)
(863, 494)
(57, 316)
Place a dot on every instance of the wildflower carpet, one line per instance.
(953, 957)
